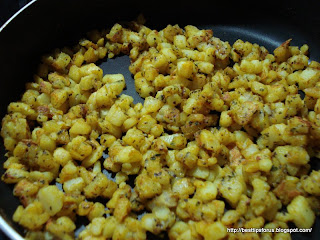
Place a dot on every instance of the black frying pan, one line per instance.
(47, 24)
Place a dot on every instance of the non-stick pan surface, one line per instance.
(48, 24)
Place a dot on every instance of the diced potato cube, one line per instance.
(174, 141)
(51, 199)
(300, 211)
(74, 185)
(62, 156)
(80, 127)
(292, 154)
(128, 155)
(206, 191)
(116, 116)
(185, 68)
(253, 66)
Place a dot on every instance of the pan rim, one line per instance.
(4, 226)
(9, 230)
(16, 14)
